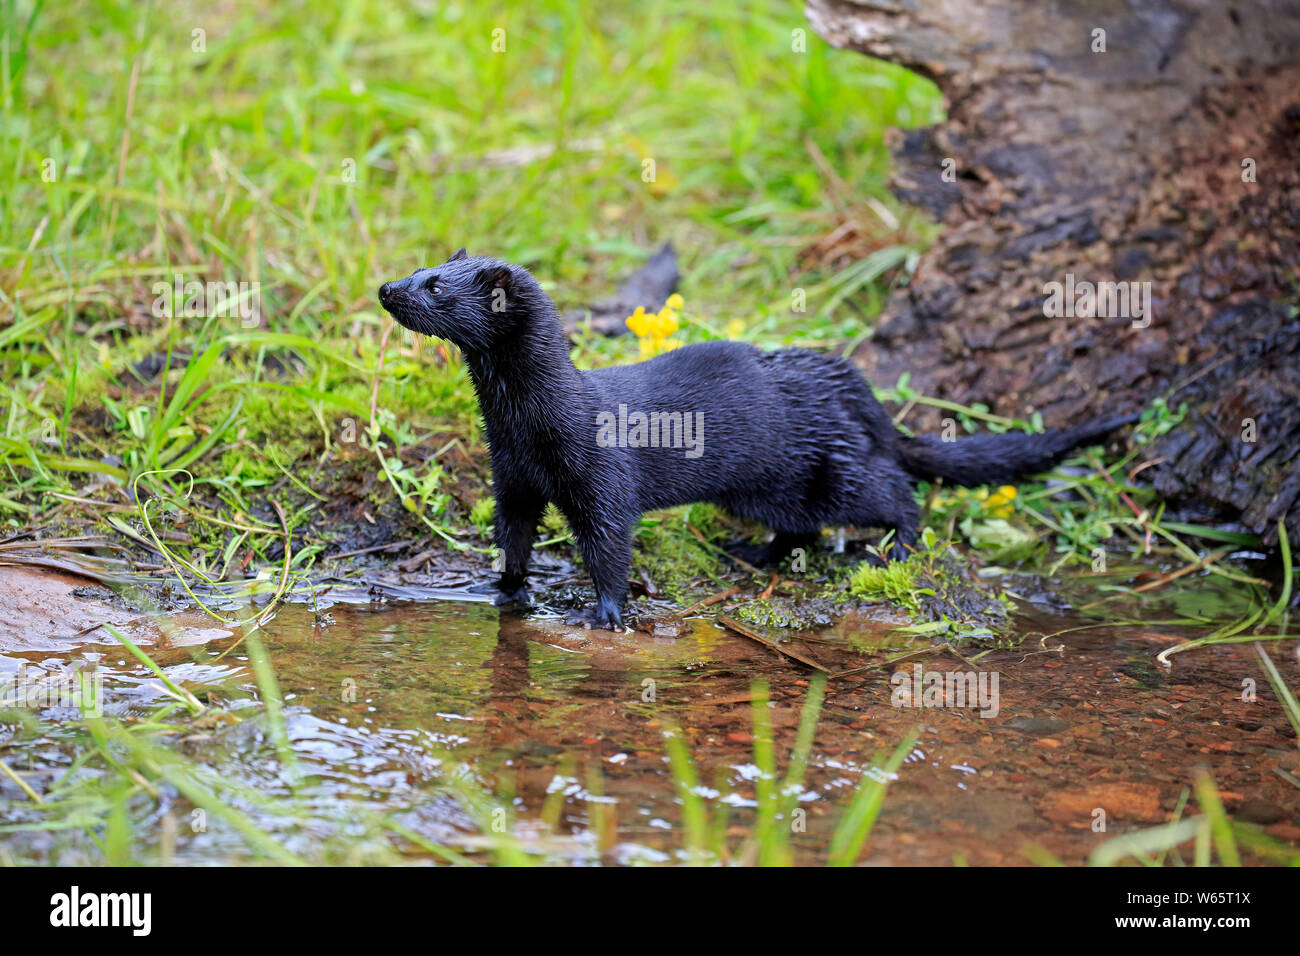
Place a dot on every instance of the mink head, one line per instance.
(475, 302)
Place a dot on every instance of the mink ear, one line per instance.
(460, 254)
(495, 277)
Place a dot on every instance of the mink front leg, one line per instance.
(518, 512)
(607, 554)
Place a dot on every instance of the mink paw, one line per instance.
(595, 618)
(502, 596)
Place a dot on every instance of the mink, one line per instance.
(793, 439)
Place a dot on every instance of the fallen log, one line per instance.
(1158, 151)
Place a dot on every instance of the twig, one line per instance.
(723, 701)
(410, 565)
(709, 601)
(77, 499)
(970, 663)
(753, 635)
(94, 627)
(1150, 463)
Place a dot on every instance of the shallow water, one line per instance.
(386, 704)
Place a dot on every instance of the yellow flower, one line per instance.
(735, 329)
(654, 329)
(999, 503)
(667, 323)
(639, 322)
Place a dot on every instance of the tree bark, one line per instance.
(1131, 165)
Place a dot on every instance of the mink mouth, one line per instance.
(400, 316)
(407, 314)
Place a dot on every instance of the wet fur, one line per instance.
(792, 439)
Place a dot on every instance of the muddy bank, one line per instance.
(45, 610)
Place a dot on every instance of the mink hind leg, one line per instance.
(889, 502)
(786, 543)
(772, 553)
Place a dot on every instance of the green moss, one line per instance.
(481, 514)
(898, 583)
(673, 556)
(935, 588)
(799, 614)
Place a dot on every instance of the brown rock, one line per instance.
(1122, 800)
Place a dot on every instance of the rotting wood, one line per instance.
(1130, 165)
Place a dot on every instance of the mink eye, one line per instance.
(432, 285)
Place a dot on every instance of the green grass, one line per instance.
(311, 153)
(320, 152)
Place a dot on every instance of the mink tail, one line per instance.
(999, 459)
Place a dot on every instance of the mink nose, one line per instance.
(385, 293)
